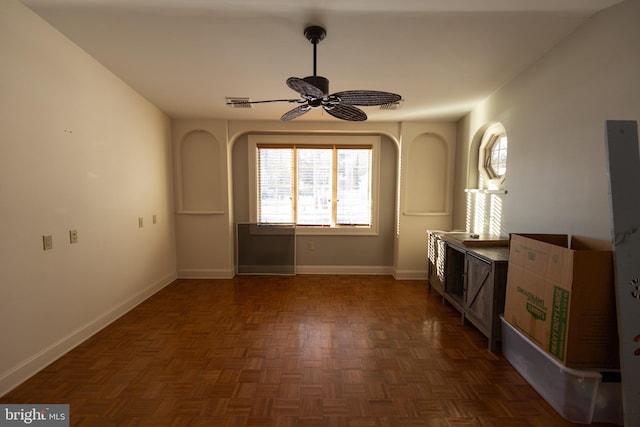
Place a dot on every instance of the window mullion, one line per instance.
(334, 186)
(294, 192)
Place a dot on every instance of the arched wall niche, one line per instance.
(201, 165)
(244, 133)
(427, 176)
(239, 178)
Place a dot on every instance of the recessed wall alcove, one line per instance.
(200, 189)
(426, 186)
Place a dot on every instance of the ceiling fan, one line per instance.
(314, 92)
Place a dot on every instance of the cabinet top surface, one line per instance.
(491, 253)
(488, 247)
(474, 240)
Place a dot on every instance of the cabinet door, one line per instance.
(454, 274)
(478, 297)
(436, 263)
(441, 248)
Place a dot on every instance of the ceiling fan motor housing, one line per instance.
(319, 82)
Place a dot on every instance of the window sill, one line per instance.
(301, 230)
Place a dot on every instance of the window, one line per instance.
(484, 203)
(497, 157)
(493, 158)
(321, 184)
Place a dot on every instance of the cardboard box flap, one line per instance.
(580, 243)
(553, 239)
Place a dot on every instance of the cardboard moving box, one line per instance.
(562, 297)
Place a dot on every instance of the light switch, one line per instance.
(47, 242)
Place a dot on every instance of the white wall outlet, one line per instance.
(140, 222)
(155, 219)
(73, 236)
(47, 242)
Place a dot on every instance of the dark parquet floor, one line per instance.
(352, 351)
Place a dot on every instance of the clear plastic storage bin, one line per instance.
(580, 396)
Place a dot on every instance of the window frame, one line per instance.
(489, 180)
(325, 140)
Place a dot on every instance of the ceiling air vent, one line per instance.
(391, 105)
(239, 102)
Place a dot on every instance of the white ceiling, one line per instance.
(442, 56)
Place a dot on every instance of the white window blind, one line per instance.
(354, 186)
(275, 185)
(314, 178)
(312, 185)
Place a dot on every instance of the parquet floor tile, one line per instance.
(289, 351)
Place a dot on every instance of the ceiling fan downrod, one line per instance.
(315, 34)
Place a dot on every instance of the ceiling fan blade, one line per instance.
(296, 112)
(347, 112)
(304, 88)
(367, 97)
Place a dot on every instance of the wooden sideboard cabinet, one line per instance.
(471, 275)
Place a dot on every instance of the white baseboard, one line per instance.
(345, 269)
(206, 274)
(373, 270)
(20, 373)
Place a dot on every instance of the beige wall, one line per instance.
(79, 150)
(203, 231)
(333, 253)
(432, 145)
(206, 239)
(554, 114)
